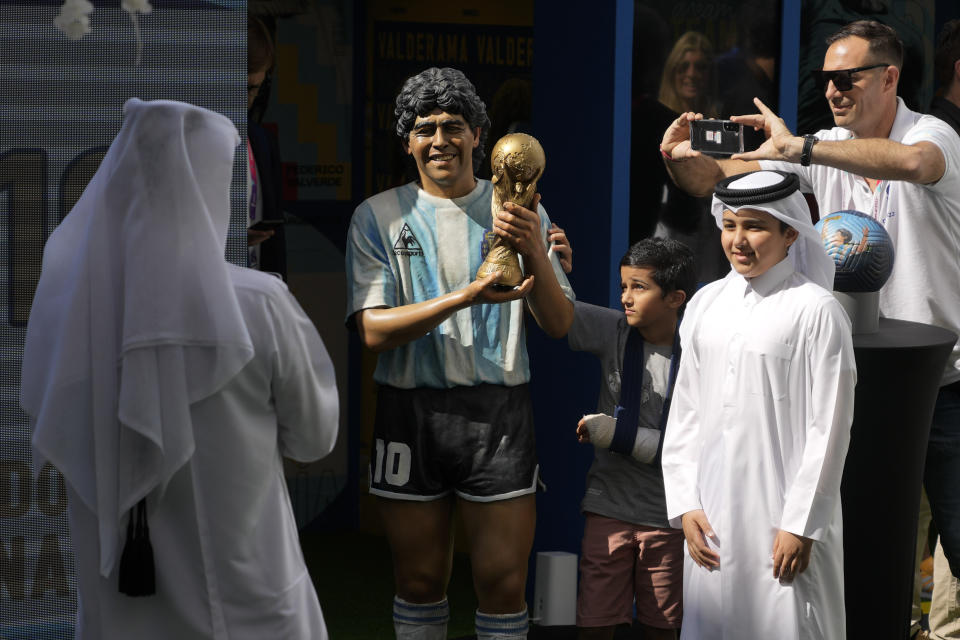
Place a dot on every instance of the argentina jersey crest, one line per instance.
(407, 244)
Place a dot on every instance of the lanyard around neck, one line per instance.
(627, 413)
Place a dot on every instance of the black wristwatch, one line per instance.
(807, 154)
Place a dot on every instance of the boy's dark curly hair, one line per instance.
(671, 261)
(449, 90)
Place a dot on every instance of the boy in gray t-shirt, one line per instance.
(630, 555)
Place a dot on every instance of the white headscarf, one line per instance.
(777, 193)
(135, 317)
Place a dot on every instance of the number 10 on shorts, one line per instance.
(393, 463)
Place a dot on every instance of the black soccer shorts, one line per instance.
(475, 441)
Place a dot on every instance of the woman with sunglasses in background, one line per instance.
(688, 84)
(686, 81)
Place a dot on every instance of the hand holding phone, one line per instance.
(716, 137)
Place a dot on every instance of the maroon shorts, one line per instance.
(625, 563)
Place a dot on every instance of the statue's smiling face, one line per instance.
(442, 145)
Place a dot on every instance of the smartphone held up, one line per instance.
(716, 137)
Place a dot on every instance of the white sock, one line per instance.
(601, 428)
(503, 626)
(413, 621)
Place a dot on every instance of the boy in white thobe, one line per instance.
(758, 432)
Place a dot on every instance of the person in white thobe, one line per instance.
(155, 370)
(758, 433)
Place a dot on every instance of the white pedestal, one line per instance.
(555, 591)
(862, 308)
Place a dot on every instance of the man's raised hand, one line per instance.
(780, 143)
(676, 139)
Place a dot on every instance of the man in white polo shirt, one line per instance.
(900, 167)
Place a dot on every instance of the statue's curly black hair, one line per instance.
(448, 89)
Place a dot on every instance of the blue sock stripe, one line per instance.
(510, 623)
(410, 606)
(503, 630)
(429, 613)
(502, 617)
(420, 620)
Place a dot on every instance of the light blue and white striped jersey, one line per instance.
(407, 246)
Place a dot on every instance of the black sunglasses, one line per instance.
(842, 78)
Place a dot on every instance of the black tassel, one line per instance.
(137, 574)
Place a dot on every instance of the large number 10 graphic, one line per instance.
(396, 471)
(24, 181)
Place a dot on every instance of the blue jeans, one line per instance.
(941, 474)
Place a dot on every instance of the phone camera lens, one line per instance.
(729, 126)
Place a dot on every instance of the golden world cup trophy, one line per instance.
(517, 161)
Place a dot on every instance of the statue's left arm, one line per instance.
(550, 306)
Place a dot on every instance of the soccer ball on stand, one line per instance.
(863, 254)
(861, 249)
